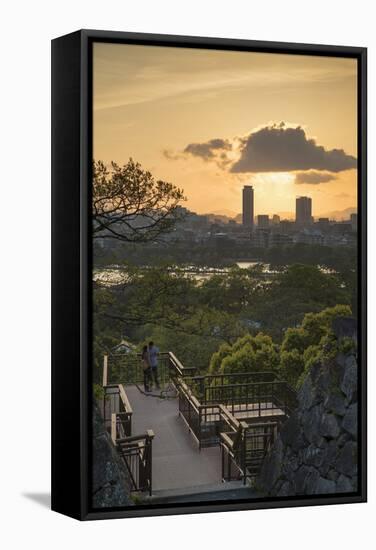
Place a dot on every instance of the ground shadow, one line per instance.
(43, 499)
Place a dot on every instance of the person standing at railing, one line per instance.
(153, 360)
(146, 368)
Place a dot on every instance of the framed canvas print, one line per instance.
(209, 274)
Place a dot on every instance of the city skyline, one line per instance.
(212, 121)
(303, 210)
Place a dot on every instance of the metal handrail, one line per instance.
(228, 417)
(136, 453)
(127, 368)
(245, 458)
(189, 394)
(274, 382)
(238, 375)
(134, 450)
(135, 438)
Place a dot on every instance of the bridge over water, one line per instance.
(198, 433)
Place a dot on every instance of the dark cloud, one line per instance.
(209, 149)
(171, 155)
(314, 177)
(277, 148)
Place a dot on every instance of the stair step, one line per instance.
(230, 490)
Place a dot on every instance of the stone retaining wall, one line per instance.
(316, 449)
(110, 482)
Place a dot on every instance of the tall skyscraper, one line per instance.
(303, 212)
(248, 206)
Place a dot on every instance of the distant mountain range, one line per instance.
(340, 214)
(225, 212)
(221, 216)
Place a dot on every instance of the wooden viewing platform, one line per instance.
(198, 430)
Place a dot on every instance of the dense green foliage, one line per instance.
(300, 348)
(248, 354)
(298, 290)
(197, 318)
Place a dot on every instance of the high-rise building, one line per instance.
(276, 219)
(263, 221)
(248, 206)
(303, 212)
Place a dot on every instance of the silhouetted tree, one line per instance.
(130, 205)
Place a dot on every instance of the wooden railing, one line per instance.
(259, 439)
(134, 450)
(189, 409)
(246, 388)
(240, 412)
(211, 419)
(127, 368)
(252, 399)
(205, 381)
(244, 448)
(116, 401)
(203, 409)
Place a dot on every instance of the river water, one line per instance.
(114, 275)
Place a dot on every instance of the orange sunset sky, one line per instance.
(210, 121)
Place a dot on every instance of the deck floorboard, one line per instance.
(177, 462)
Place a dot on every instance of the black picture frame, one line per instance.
(71, 270)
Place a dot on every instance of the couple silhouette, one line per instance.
(149, 358)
